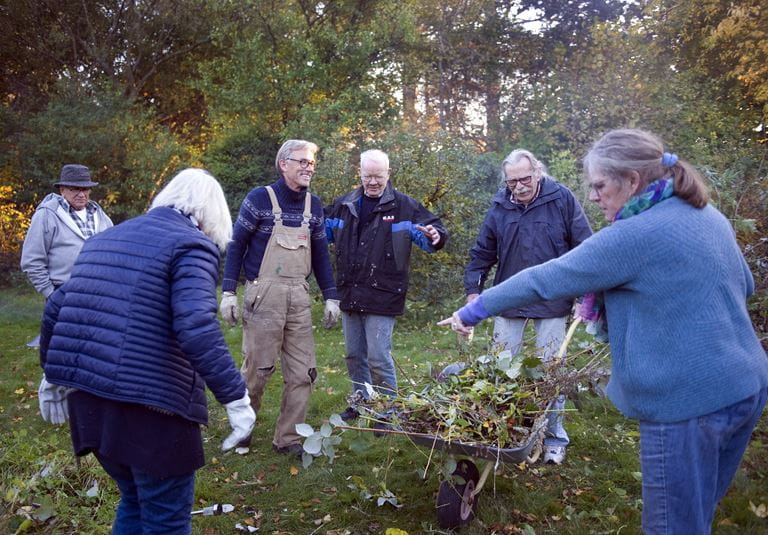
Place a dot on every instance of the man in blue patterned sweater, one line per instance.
(278, 240)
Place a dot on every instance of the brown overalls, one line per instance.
(277, 322)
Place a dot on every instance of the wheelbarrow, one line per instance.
(458, 497)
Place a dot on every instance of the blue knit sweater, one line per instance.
(253, 229)
(676, 285)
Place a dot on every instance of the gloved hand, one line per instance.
(241, 420)
(332, 313)
(53, 402)
(228, 308)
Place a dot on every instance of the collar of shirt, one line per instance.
(90, 207)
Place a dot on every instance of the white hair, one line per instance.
(518, 154)
(375, 155)
(197, 193)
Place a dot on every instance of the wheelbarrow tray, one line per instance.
(484, 451)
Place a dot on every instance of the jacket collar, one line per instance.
(354, 196)
(52, 202)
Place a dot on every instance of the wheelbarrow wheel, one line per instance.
(455, 503)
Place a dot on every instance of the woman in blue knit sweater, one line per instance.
(687, 362)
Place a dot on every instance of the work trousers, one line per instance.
(277, 323)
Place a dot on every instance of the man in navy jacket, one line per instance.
(372, 229)
(531, 220)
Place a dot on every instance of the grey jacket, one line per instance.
(53, 242)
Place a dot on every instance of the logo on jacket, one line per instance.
(388, 218)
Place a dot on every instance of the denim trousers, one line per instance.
(369, 352)
(150, 505)
(687, 466)
(550, 333)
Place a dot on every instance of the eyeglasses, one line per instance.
(524, 180)
(303, 163)
(369, 178)
(76, 189)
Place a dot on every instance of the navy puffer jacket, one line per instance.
(136, 322)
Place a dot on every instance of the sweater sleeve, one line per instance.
(321, 259)
(606, 260)
(244, 227)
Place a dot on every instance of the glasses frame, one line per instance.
(525, 181)
(303, 163)
(379, 179)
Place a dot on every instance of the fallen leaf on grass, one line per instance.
(294, 471)
(761, 511)
(19, 391)
(395, 531)
(324, 520)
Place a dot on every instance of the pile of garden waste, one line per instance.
(494, 400)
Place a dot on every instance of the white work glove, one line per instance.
(332, 313)
(241, 420)
(53, 402)
(228, 308)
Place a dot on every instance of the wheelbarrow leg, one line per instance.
(483, 477)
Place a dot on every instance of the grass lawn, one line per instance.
(597, 490)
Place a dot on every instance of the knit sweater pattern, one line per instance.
(253, 228)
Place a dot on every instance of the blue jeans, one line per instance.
(550, 333)
(369, 352)
(150, 505)
(687, 466)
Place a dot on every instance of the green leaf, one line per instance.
(336, 420)
(304, 430)
(314, 444)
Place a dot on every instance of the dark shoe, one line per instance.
(349, 414)
(294, 449)
(245, 443)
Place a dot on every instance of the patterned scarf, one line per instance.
(656, 192)
(592, 307)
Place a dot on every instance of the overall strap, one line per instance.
(307, 209)
(276, 210)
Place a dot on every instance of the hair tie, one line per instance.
(668, 159)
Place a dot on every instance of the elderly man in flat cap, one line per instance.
(60, 225)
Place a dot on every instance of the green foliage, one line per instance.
(129, 154)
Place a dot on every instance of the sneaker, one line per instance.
(294, 449)
(349, 414)
(554, 454)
